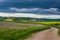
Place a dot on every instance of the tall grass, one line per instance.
(19, 34)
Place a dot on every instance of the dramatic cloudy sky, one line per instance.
(30, 6)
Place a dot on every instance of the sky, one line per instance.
(30, 6)
(41, 7)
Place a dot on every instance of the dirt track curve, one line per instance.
(50, 34)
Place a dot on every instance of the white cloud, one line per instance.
(24, 9)
(37, 10)
(52, 10)
(29, 15)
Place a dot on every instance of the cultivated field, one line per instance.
(22, 31)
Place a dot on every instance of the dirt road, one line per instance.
(50, 34)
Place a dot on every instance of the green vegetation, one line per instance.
(19, 34)
(58, 27)
(22, 34)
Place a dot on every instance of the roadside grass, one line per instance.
(19, 34)
(58, 27)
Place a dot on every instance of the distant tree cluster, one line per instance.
(19, 19)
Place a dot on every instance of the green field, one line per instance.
(24, 30)
(19, 34)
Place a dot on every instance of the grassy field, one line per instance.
(18, 33)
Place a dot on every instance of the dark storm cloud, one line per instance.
(27, 3)
(33, 6)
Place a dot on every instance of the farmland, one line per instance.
(18, 29)
(21, 31)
